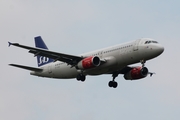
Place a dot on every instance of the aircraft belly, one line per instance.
(106, 70)
(111, 65)
(65, 72)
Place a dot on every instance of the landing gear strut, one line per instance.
(143, 63)
(113, 83)
(81, 77)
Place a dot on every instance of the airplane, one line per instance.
(112, 60)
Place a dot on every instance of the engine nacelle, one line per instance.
(89, 62)
(136, 73)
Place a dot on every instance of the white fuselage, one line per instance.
(115, 57)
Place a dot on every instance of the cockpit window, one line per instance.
(148, 42)
(154, 42)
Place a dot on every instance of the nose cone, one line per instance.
(159, 49)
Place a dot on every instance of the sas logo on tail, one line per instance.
(43, 60)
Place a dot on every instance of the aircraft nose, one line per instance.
(159, 49)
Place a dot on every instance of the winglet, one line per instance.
(9, 44)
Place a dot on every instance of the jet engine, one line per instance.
(136, 73)
(89, 62)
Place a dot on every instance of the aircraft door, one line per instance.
(136, 44)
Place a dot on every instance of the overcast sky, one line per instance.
(75, 27)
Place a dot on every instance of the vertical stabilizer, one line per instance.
(39, 43)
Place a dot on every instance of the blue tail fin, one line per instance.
(41, 59)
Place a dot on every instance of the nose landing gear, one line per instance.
(143, 63)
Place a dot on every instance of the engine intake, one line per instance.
(89, 62)
(136, 73)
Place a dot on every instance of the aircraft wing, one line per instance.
(125, 70)
(69, 59)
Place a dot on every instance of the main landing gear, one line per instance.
(113, 83)
(81, 77)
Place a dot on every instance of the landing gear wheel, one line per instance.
(110, 84)
(113, 84)
(78, 77)
(81, 77)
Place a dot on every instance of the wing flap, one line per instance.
(27, 67)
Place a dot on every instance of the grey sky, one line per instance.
(76, 27)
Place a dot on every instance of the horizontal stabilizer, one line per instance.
(27, 67)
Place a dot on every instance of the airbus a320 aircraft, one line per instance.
(113, 60)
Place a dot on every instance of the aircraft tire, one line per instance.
(78, 77)
(83, 78)
(110, 84)
(113, 84)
